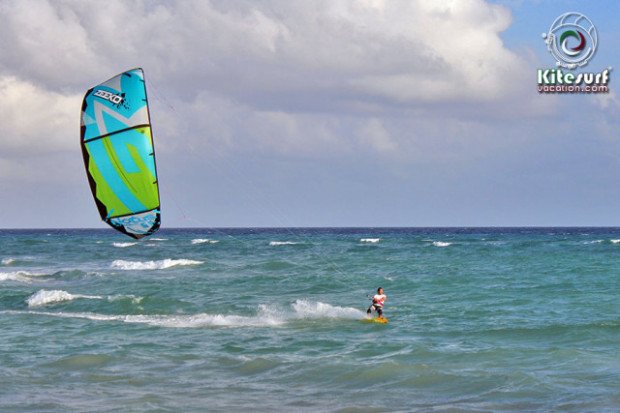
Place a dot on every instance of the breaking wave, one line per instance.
(123, 244)
(45, 297)
(8, 261)
(152, 265)
(265, 317)
(204, 241)
(274, 243)
(441, 244)
(317, 309)
(370, 240)
(21, 276)
(596, 241)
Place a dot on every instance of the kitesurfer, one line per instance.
(377, 303)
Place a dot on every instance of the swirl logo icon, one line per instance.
(571, 40)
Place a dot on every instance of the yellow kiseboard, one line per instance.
(378, 320)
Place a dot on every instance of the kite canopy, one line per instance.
(117, 145)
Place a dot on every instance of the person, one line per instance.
(377, 303)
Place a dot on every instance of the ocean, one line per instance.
(257, 320)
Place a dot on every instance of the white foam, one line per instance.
(441, 244)
(317, 309)
(22, 276)
(123, 244)
(158, 239)
(596, 241)
(267, 316)
(173, 321)
(8, 261)
(152, 265)
(274, 243)
(204, 241)
(134, 299)
(44, 297)
(615, 241)
(371, 240)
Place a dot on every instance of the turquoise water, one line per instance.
(269, 320)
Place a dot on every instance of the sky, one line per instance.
(315, 113)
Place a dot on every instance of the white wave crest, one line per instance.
(317, 309)
(152, 265)
(274, 243)
(134, 299)
(123, 244)
(8, 261)
(441, 244)
(615, 241)
(173, 321)
(158, 239)
(596, 241)
(44, 297)
(267, 316)
(21, 276)
(204, 241)
(370, 240)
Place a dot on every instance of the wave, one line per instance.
(123, 244)
(204, 241)
(158, 239)
(370, 240)
(8, 261)
(152, 265)
(615, 241)
(135, 299)
(266, 316)
(596, 241)
(45, 297)
(21, 276)
(274, 243)
(317, 309)
(173, 321)
(441, 244)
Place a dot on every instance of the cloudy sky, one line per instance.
(315, 113)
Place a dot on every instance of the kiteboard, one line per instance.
(377, 320)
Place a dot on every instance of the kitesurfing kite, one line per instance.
(119, 156)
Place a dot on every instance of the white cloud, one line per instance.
(316, 79)
(347, 51)
(374, 134)
(34, 119)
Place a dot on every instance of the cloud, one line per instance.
(400, 51)
(34, 119)
(311, 79)
(419, 90)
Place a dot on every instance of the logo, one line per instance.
(571, 40)
(116, 99)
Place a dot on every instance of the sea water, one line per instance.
(217, 320)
